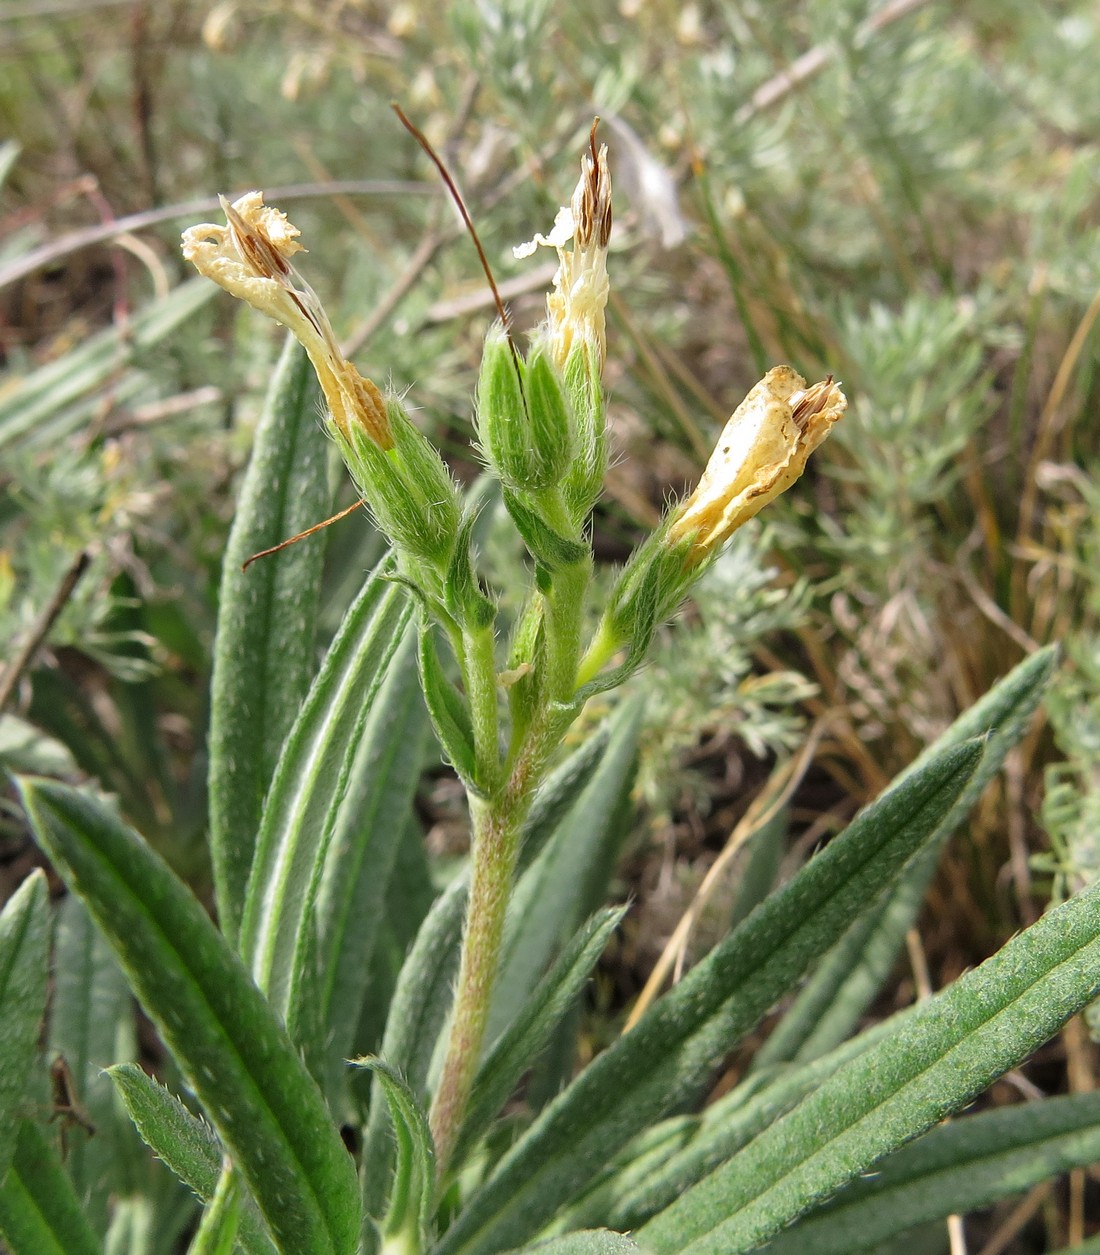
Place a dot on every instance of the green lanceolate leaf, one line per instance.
(447, 707)
(830, 1005)
(585, 1242)
(549, 548)
(466, 602)
(24, 965)
(956, 1168)
(234, 1052)
(412, 1191)
(519, 1046)
(39, 1211)
(188, 1145)
(263, 652)
(669, 1056)
(309, 787)
(418, 1011)
(944, 1055)
(371, 824)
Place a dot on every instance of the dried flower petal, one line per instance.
(762, 451)
(249, 257)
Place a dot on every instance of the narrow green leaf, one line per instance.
(24, 965)
(91, 1026)
(668, 1057)
(520, 1044)
(217, 1232)
(369, 828)
(412, 1192)
(946, 1053)
(309, 787)
(447, 707)
(263, 651)
(188, 1145)
(830, 1005)
(418, 1011)
(569, 879)
(39, 1211)
(584, 1242)
(548, 547)
(559, 792)
(235, 1054)
(953, 1169)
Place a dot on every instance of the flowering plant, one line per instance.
(312, 845)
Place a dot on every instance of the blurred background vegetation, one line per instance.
(905, 195)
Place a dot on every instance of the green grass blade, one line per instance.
(263, 651)
(39, 1210)
(666, 1059)
(832, 1002)
(370, 825)
(236, 1056)
(520, 1044)
(308, 789)
(188, 1145)
(24, 967)
(951, 1049)
(957, 1168)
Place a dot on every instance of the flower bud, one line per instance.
(249, 258)
(762, 451)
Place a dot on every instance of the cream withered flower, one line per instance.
(762, 451)
(576, 306)
(249, 257)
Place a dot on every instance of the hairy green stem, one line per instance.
(497, 825)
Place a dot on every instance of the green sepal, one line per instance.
(447, 708)
(551, 424)
(408, 487)
(24, 968)
(466, 602)
(583, 484)
(412, 1190)
(548, 547)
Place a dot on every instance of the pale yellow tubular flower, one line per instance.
(575, 307)
(762, 451)
(249, 257)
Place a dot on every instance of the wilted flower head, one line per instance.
(249, 258)
(576, 306)
(763, 449)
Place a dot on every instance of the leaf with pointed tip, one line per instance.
(946, 1053)
(584, 1242)
(188, 1145)
(263, 650)
(235, 1054)
(956, 1168)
